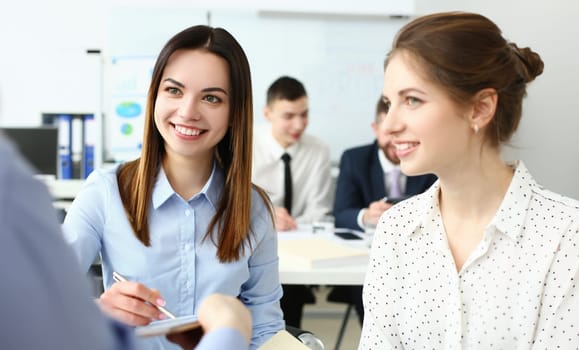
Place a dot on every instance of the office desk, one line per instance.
(343, 275)
(63, 191)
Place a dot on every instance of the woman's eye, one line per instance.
(173, 90)
(413, 101)
(212, 99)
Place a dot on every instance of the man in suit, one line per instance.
(366, 188)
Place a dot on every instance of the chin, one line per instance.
(410, 169)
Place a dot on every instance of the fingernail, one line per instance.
(160, 302)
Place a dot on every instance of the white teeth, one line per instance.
(187, 131)
(403, 146)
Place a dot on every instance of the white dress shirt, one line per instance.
(517, 289)
(310, 167)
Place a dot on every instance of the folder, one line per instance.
(320, 253)
(64, 150)
(76, 145)
(89, 144)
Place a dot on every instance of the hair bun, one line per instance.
(532, 63)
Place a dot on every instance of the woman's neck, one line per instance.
(475, 189)
(187, 176)
(469, 199)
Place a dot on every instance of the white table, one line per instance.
(343, 275)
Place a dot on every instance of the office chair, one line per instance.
(306, 337)
(344, 294)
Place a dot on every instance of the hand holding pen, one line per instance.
(133, 303)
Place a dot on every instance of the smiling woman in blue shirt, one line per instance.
(184, 221)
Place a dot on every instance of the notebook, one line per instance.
(163, 327)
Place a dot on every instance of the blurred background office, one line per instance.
(336, 48)
(66, 57)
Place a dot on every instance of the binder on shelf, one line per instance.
(77, 137)
(76, 146)
(64, 146)
(89, 145)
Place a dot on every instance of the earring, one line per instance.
(475, 128)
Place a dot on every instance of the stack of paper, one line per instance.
(319, 253)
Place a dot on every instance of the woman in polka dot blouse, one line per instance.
(486, 258)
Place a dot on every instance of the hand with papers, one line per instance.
(217, 311)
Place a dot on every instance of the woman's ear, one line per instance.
(484, 108)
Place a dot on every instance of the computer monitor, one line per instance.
(38, 145)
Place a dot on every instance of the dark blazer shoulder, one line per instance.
(360, 151)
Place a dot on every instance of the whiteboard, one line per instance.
(339, 59)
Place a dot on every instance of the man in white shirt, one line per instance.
(286, 111)
(287, 114)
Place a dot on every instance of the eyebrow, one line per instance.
(404, 92)
(407, 90)
(209, 89)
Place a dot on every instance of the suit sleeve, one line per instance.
(348, 200)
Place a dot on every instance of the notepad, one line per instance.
(163, 327)
(319, 253)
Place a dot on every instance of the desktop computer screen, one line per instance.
(38, 145)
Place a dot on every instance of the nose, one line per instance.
(189, 109)
(393, 122)
(299, 123)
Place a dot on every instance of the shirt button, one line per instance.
(187, 212)
(187, 246)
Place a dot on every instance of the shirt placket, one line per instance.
(187, 252)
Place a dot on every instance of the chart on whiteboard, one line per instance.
(129, 81)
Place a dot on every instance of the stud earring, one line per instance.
(475, 128)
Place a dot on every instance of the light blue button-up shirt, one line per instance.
(179, 263)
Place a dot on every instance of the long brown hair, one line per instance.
(233, 153)
(464, 53)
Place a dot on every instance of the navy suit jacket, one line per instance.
(361, 181)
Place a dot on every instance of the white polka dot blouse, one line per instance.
(517, 289)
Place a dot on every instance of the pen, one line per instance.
(119, 278)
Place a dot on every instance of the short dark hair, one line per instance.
(285, 88)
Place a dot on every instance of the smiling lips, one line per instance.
(405, 148)
(188, 131)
